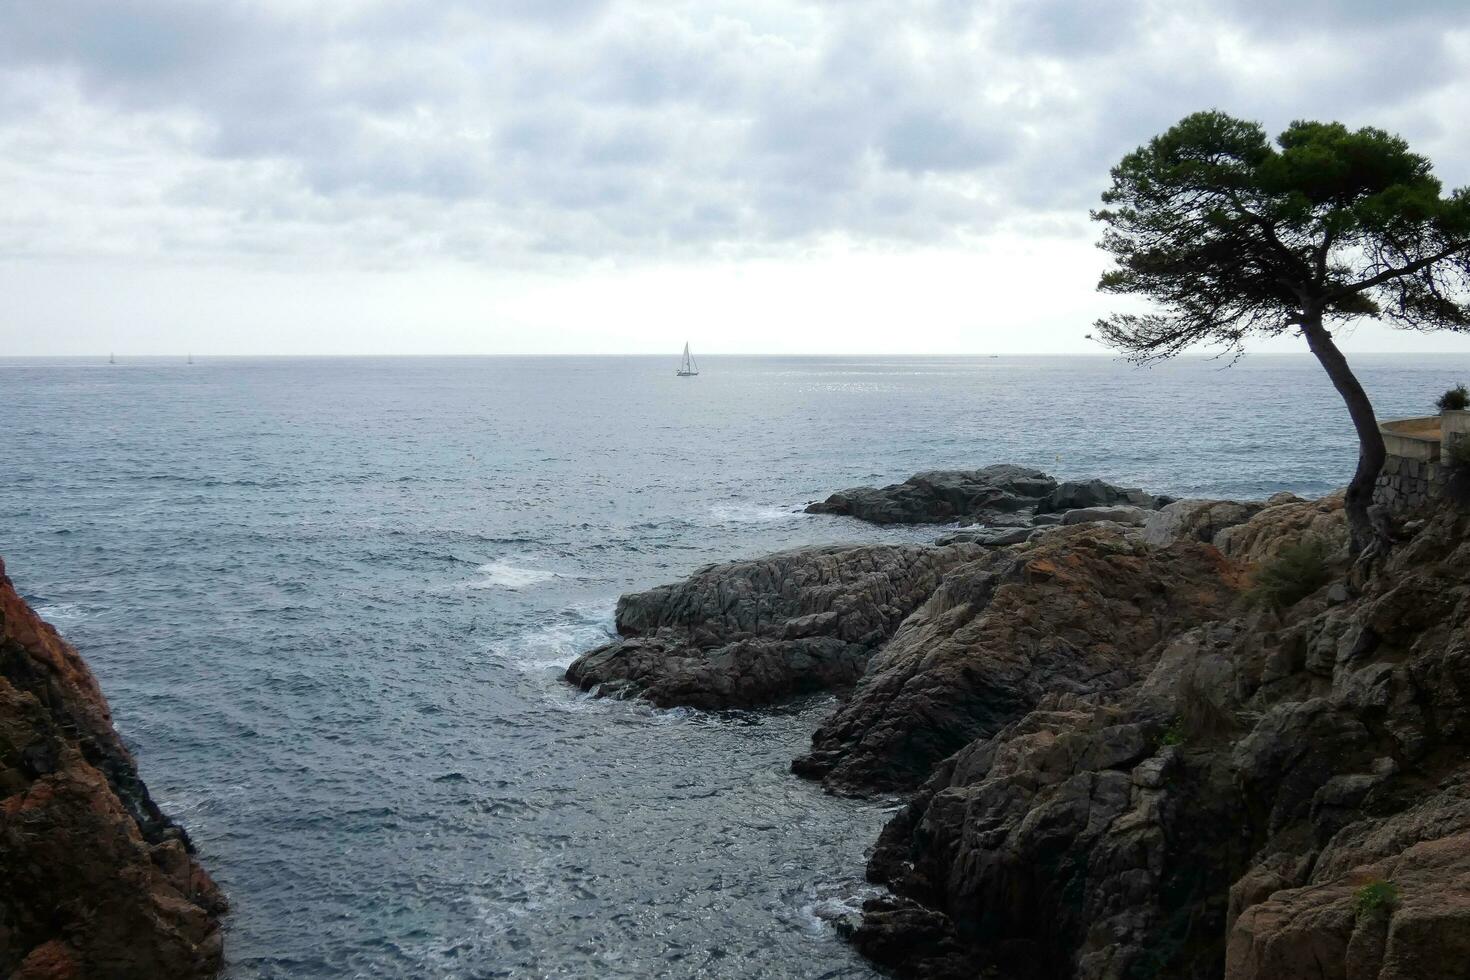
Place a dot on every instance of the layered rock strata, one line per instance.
(1077, 609)
(95, 881)
(751, 633)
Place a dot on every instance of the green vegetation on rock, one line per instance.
(1374, 897)
(1295, 573)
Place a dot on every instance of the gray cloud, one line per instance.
(384, 130)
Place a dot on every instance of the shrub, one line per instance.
(1173, 735)
(1375, 896)
(1298, 571)
(1456, 399)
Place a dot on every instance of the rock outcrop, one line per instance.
(1078, 494)
(1285, 794)
(751, 633)
(1196, 520)
(942, 496)
(95, 881)
(1126, 761)
(1076, 609)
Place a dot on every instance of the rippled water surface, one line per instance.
(330, 601)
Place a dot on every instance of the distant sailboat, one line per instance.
(191, 358)
(111, 358)
(687, 367)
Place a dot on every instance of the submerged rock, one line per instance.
(942, 496)
(97, 881)
(751, 633)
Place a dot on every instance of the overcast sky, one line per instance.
(422, 176)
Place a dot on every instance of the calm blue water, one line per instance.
(330, 600)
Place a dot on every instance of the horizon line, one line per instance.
(868, 354)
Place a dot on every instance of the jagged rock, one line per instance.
(751, 633)
(95, 881)
(941, 496)
(1079, 494)
(1196, 520)
(1403, 918)
(1075, 610)
(1126, 514)
(1281, 525)
(1223, 816)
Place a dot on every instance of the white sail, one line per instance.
(687, 367)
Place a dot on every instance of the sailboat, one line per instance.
(687, 367)
(191, 359)
(111, 358)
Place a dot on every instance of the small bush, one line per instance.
(1375, 896)
(1295, 573)
(1173, 735)
(1456, 399)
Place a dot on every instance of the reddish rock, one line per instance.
(97, 881)
(1077, 609)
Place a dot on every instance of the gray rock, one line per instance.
(1196, 520)
(990, 537)
(751, 633)
(1076, 494)
(1127, 515)
(941, 496)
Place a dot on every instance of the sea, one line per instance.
(331, 600)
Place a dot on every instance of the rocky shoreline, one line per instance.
(1124, 756)
(98, 881)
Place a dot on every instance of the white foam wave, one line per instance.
(60, 612)
(751, 513)
(557, 644)
(504, 575)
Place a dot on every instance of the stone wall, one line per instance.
(1407, 484)
(1414, 470)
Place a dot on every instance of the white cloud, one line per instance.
(547, 139)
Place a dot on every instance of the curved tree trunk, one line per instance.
(1370, 440)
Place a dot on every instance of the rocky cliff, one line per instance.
(1286, 794)
(1076, 610)
(1196, 743)
(97, 881)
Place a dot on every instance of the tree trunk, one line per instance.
(1370, 440)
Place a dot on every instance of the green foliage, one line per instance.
(1455, 399)
(1173, 735)
(1233, 236)
(1295, 573)
(1375, 896)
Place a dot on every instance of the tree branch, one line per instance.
(1390, 274)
